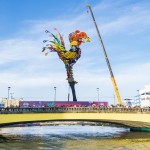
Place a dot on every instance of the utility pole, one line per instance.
(106, 57)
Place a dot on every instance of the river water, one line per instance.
(73, 137)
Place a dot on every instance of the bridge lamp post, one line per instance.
(138, 97)
(114, 100)
(98, 93)
(8, 95)
(138, 92)
(8, 91)
(55, 94)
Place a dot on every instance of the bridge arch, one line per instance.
(125, 119)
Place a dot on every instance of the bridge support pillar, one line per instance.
(140, 129)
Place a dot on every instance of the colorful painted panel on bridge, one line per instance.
(28, 104)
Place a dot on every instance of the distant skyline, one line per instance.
(125, 29)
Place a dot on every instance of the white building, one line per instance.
(143, 99)
(129, 102)
(10, 102)
(145, 96)
(137, 100)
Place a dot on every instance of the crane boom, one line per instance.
(106, 57)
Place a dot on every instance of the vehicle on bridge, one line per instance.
(31, 104)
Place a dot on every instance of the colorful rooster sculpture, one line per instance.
(69, 57)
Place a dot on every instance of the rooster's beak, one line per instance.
(83, 41)
(88, 39)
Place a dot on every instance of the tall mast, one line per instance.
(106, 57)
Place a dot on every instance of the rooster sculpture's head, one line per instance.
(77, 38)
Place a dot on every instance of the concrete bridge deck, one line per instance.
(137, 118)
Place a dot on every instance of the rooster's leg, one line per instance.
(72, 85)
(71, 81)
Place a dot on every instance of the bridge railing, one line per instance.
(73, 110)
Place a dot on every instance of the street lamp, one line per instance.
(98, 93)
(114, 100)
(55, 94)
(8, 92)
(138, 98)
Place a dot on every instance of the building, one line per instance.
(11, 102)
(2, 105)
(137, 100)
(129, 102)
(143, 98)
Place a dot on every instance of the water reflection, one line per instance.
(73, 137)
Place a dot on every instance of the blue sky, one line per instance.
(125, 29)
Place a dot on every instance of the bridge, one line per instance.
(136, 119)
